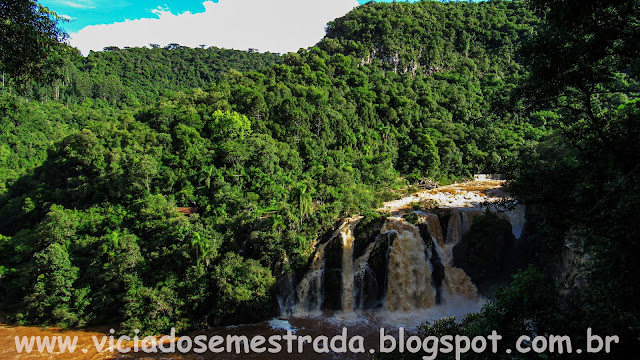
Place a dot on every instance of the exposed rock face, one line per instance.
(485, 250)
(366, 232)
(427, 184)
(437, 275)
(378, 263)
(573, 267)
(415, 259)
(332, 277)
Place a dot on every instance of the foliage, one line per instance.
(30, 35)
(271, 150)
(133, 77)
(582, 183)
(244, 287)
(486, 245)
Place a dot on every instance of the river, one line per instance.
(403, 276)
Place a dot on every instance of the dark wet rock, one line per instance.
(443, 217)
(366, 232)
(484, 252)
(366, 290)
(379, 263)
(332, 281)
(437, 275)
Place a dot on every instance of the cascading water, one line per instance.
(516, 218)
(348, 265)
(309, 292)
(394, 264)
(456, 281)
(435, 230)
(409, 283)
(362, 273)
(407, 279)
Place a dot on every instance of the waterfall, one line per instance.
(516, 218)
(409, 283)
(435, 230)
(456, 281)
(454, 231)
(348, 265)
(309, 292)
(393, 264)
(459, 224)
(362, 274)
(459, 283)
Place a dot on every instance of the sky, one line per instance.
(278, 26)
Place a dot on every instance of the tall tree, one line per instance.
(584, 63)
(29, 34)
(578, 50)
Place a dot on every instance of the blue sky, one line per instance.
(95, 24)
(94, 12)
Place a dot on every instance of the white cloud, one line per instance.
(77, 4)
(275, 25)
(66, 17)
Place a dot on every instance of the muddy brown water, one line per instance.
(312, 326)
(364, 324)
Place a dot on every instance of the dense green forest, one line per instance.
(580, 182)
(274, 150)
(139, 76)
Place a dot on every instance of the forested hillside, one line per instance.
(273, 150)
(271, 158)
(580, 183)
(138, 76)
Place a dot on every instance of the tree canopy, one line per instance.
(272, 150)
(30, 34)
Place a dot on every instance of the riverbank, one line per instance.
(468, 195)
